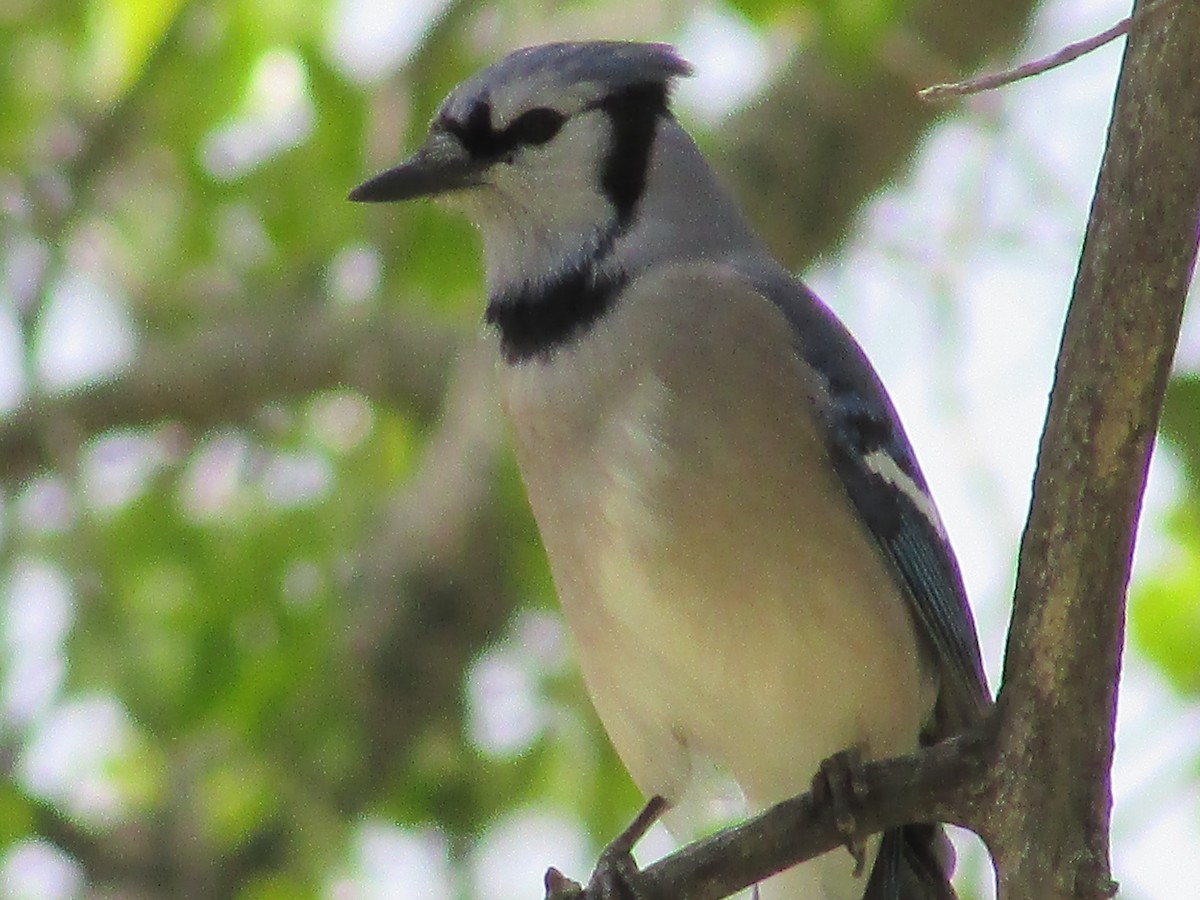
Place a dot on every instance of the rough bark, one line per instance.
(1049, 827)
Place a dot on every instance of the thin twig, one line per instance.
(1038, 66)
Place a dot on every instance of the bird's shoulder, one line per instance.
(707, 304)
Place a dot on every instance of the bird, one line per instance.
(746, 552)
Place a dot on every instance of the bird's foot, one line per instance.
(616, 868)
(615, 875)
(840, 785)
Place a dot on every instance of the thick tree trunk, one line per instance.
(1049, 827)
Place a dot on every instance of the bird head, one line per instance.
(547, 151)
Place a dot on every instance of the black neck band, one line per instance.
(535, 318)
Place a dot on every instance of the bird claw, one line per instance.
(616, 870)
(615, 875)
(840, 785)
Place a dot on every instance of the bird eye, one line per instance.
(535, 127)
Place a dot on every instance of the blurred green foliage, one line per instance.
(286, 630)
(1165, 606)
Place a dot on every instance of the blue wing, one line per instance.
(879, 470)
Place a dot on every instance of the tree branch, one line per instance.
(228, 374)
(938, 784)
(1049, 832)
(430, 589)
(1058, 58)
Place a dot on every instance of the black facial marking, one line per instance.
(634, 112)
(536, 318)
(480, 138)
(537, 126)
(475, 133)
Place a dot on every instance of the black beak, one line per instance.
(439, 167)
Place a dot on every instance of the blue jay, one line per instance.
(746, 552)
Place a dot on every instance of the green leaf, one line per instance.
(1164, 610)
(16, 815)
(121, 36)
(234, 798)
(1180, 423)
